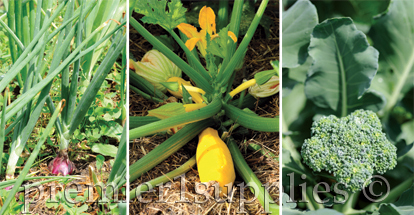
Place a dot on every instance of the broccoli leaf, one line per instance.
(392, 209)
(288, 83)
(343, 66)
(298, 23)
(297, 119)
(363, 11)
(393, 36)
(407, 198)
(287, 202)
(156, 13)
(403, 147)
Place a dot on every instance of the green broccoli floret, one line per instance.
(351, 148)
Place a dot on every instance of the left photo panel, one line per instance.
(63, 106)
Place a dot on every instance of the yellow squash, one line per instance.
(214, 160)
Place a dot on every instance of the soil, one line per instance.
(261, 50)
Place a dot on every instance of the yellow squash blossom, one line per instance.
(270, 88)
(155, 67)
(207, 21)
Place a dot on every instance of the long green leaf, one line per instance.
(236, 16)
(107, 10)
(167, 148)
(73, 91)
(120, 159)
(145, 95)
(137, 121)
(162, 125)
(12, 34)
(18, 65)
(250, 178)
(64, 78)
(8, 183)
(250, 120)
(26, 28)
(187, 166)
(3, 125)
(32, 11)
(225, 75)
(11, 24)
(145, 85)
(25, 98)
(93, 88)
(191, 58)
(36, 26)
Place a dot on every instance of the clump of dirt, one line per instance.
(261, 51)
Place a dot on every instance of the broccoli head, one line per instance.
(351, 148)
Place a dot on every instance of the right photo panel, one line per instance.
(347, 107)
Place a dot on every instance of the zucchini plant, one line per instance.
(209, 103)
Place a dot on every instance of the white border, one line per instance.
(280, 107)
(127, 106)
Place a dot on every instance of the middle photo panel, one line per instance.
(204, 107)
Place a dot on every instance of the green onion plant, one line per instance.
(70, 42)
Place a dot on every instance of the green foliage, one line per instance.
(264, 76)
(375, 73)
(156, 12)
(342, 55)
(397, 58)
(99, 122)
(248, 13)
(219, 46)
(99, 162)
(15, 207)
(352, 148)
(301, 17)
(105, 149)
(66, 200)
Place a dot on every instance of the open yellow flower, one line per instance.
(207, 21)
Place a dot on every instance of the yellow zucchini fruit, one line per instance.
(214, 161)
